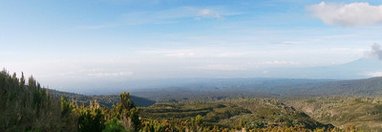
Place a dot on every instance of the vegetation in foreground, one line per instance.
(29, 107)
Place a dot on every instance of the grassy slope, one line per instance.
(362, 112)
(235, 113)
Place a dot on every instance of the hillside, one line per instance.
(362, 112)
(235, 113)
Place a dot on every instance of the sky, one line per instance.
(72, 43)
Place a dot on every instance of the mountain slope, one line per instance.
(360, 68)
(364, 113)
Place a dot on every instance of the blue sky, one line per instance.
(117, 40)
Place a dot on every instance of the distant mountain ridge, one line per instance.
(360, 87)
(360, 68)
(105, 100)
(226, 88)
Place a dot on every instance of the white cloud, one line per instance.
(352, 14)
(167, 16)
(208, 13)
(176, 14)
(374, 74)
(181, 54)
(110, 74)
(221, 67)
(278, 62)
(197, 52)
(95, 27)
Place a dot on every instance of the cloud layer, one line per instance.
(374, 74)
(352, 14)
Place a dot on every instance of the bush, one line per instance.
(114, 125)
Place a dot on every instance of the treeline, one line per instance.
(27, 106)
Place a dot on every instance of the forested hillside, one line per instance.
(25, 105)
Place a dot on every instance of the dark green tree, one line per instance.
(22, 80)
(126, 111)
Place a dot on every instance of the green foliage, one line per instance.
(198, 120)
(66, 106)
(126, 111)
(91, 119)
(28, 107)
(114, 125)
(126, 101)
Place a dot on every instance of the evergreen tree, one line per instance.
(22, 80)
